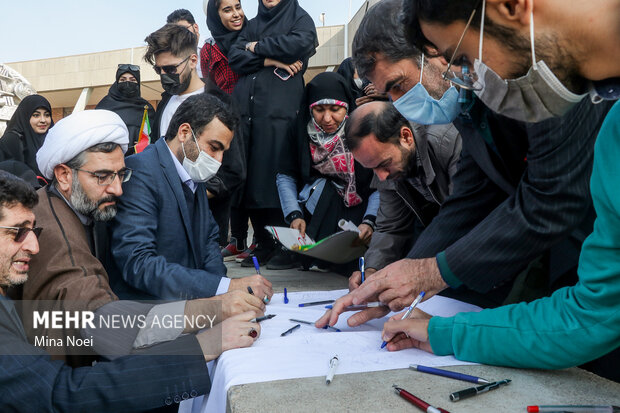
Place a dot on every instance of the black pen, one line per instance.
(327, 327)
(290, 330)
(263, 318)
(473, 391)
(316, 303)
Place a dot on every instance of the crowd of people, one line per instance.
(474, 152)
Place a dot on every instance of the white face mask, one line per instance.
(203, 168)
(537, 96)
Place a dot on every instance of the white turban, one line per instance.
(77, 132)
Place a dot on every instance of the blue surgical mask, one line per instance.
(419, 107)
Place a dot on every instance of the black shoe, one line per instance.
(282, 260)
(263, 255)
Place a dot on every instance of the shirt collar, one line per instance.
(185, 178)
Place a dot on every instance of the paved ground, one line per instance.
(292, 280)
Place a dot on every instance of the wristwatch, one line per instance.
(247, 46)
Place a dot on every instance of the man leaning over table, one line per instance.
(575, 324)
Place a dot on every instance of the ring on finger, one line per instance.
(253, 333)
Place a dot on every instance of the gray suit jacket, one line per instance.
(408, 205)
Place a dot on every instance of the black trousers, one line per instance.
(220, 208)
(239, 223)
(262, 217)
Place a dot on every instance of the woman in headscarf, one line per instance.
(124, 99)
(271, 54)
(320, 182)
(225, 20)
(26, 131)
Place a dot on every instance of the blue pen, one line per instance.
(409, 311)
(362, 265)
(285, 297)
(450, 374)
(257, 268)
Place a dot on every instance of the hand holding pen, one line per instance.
(408, 332)
(407, 313)
(259, 285)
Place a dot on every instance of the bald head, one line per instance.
(381, 139)
(380, 119)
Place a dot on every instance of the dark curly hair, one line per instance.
(14, 190)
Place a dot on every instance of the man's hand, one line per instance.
(395, 286)
(356, 278)
(400, 282)
(227, 304)
(292, 69)
(232, 333)
(331, 316)
(408, 333)
(362, 100)
(300, 225)
(365, 233)
(260, 285)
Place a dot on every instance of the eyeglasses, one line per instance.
(466, 80)
(169, 69)
(134, 68)
(106, 178)
(22, 232)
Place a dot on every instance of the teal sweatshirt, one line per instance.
(575, 324)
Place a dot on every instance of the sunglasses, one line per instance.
(169, 69)
(22, 232)
(134, 68)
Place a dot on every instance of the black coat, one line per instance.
(267, 104)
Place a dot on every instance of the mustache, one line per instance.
(111, 198)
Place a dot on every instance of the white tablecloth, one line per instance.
(307, 351)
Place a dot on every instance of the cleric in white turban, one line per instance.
(77, 132)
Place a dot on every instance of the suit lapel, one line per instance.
(172, 177)
(479, 150)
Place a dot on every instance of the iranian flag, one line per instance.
(145, 131)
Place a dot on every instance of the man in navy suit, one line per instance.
(31, 381)
(164, 237)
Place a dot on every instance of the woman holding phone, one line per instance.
(271, 55)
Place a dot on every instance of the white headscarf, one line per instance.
(74, 134)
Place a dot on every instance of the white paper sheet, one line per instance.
(307, 351)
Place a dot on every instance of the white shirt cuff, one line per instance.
(222, 288)
(148, 336)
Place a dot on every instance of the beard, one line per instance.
(547, 48)
(406, 164)
(84, 205)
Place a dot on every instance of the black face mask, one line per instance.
(129, 89)
(172, 83)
